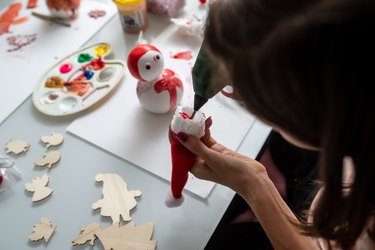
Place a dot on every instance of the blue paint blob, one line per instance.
(89, 74)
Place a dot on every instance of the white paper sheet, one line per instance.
(122, 127)
(21, 69)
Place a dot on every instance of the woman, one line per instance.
(307, 77)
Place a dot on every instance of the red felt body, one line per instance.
(182, 161)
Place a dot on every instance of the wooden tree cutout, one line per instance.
(54, 139)
(48, 159)
(117, 199)
(119, 238)
(16, 147)
(38, 186)
(43, 230)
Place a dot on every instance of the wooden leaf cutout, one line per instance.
(16, 147)
(43, 230)
(87, 234)
(117, 199)
(49, 159)
(54, 139)
(38, 186)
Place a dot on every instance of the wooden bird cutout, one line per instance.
(54, 139)
(16, 147)
(88, 233)
(38, 186)
(117, 199)
(48, 159)
(43, 230)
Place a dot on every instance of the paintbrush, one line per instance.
(52, 19)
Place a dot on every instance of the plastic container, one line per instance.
(133, 14)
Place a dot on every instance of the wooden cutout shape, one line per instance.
(48, 159)
(54, 139)
(119, 238)
(43, 230)
(128, 237)
(117, 199)
(88, 233)
(38, 186)
(16, 146)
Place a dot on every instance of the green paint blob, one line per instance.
(84, 57)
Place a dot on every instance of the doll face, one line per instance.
(150, 65)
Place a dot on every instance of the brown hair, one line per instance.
(307, 71)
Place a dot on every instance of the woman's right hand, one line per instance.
(221, 165)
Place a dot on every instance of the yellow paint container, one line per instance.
(133, 14)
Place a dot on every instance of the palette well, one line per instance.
(78, 81)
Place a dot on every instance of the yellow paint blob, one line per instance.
(101, 50)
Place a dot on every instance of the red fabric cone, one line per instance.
(182, 161)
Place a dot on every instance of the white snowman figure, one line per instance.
(159, 90)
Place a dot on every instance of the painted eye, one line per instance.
(157, 57)
(148, 66)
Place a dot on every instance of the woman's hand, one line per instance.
(221, 165)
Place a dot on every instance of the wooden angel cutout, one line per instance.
(16, 147)
(43, 230)
(54, 139)
(117, 199)
(38, 186)
(119, 238)
(49, 159)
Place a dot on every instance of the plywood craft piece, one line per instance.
(49, 159)
(119, 238)
(43, 230)
(54, 139)
(117, 199)
(16, 147)
(88, 233)
(38, 186)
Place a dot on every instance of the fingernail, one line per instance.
(182, 136)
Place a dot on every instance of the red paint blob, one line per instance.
(66, 68)
(203, 1)
(1, 179)
(185, 55)
(185, 116)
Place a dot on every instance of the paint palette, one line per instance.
(78, 81)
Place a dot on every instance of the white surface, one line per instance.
(141, 137)
(188, 227)
(21, 70)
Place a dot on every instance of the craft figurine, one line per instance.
(117, 199)
(39, 186)
(67, 9)
(43, 230)
(159, 89)
(182, 158)
(49, 159)
(54, 139)
(116, 237)
(16, 147)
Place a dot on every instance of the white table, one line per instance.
(73, 179)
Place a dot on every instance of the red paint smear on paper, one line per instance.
(9, 17)
(31, 4)
(185, 55)
(97, 13)
(170, 83)
(185, 116)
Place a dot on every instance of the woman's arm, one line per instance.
(249, 179)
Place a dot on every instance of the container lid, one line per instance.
(127, 2)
